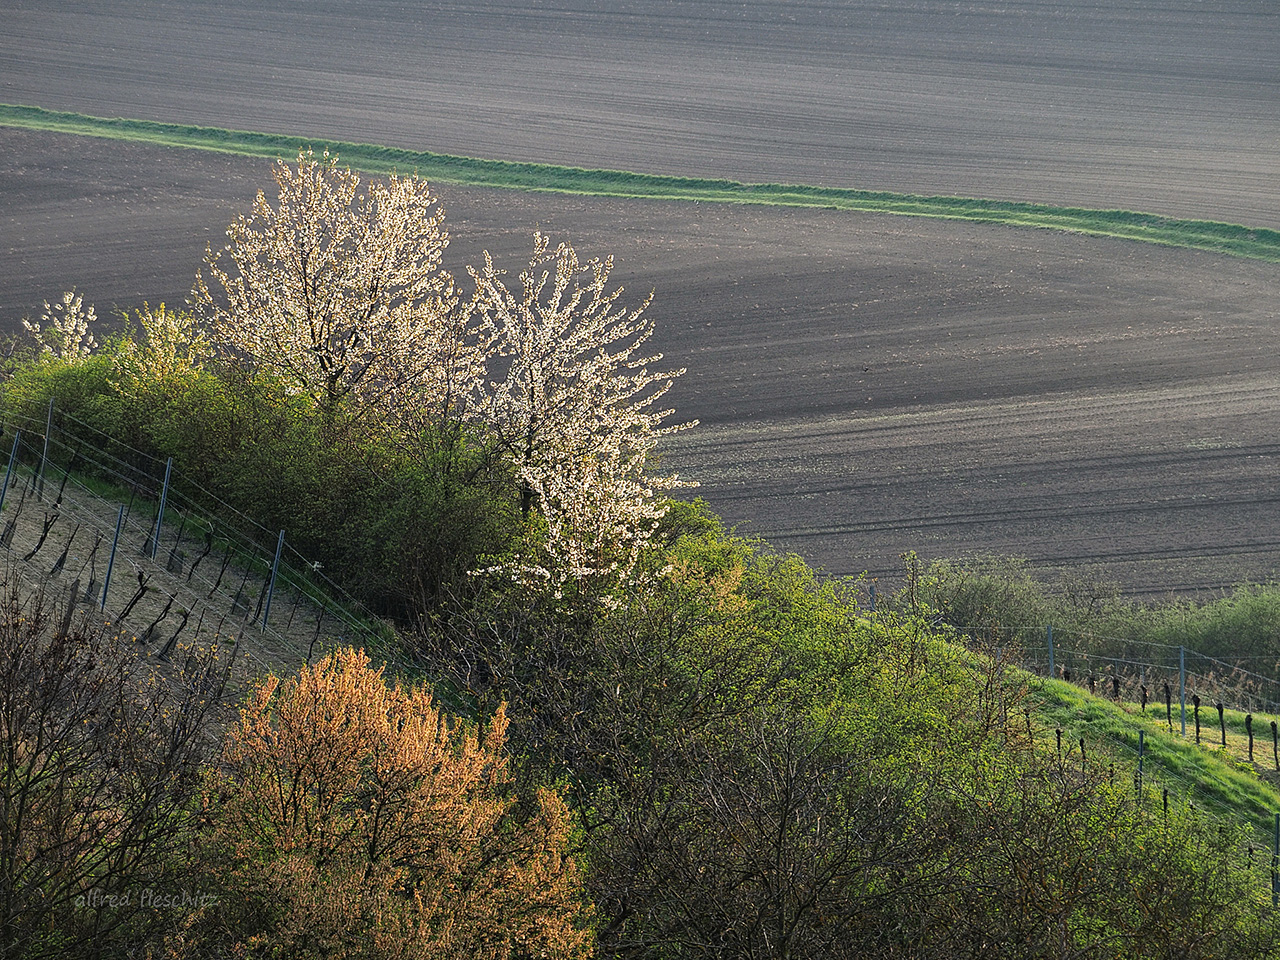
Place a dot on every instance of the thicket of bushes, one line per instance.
(987, 597)
(740, 762)
(399, 520)
(337, 815)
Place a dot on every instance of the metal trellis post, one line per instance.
(1182, 685)
(164, 498)
(13, 455)
(271, 585)
(106, 581)
(1275, 866)
(44, 456)
(1142, 749)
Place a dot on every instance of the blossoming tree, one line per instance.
(578, 411)
(339, 291)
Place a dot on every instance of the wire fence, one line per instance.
(1171, 687)
(1124, 669)
(162, 559)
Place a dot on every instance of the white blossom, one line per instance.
(172, 344)
(577, 412)
(338, 292)
(63, 329)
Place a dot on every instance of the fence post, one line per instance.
(44, 456)
(164, 497)
(1049, 638)
(271, 585)
(13, 455)
(1182, 685)
(106, 581)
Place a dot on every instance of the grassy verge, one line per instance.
(1215, 778)
(1227, 238)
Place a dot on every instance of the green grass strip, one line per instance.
(1219, 780)
(1227, 238)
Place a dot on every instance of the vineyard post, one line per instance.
(271, 584)
(1275, 866)
(1182, 685)
(1195, 704)
(1049, 638)
(1275, 745)
(1142, 749)
(106, 581)
(1248, 728)
(13, 455)
(44, 456)
(164, 497)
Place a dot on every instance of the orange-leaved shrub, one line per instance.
(352, 817)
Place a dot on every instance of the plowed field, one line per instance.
(866, 384)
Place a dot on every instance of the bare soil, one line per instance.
(1162, 105)
(59, 536)
(866, 384)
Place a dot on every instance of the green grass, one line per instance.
(1226, 238)
(1216, 779)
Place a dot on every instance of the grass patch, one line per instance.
(1226, 238)
(1217, 779)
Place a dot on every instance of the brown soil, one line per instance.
(866, 384)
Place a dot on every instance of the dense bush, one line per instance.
(398, 520)
(345, 815)
(761, 770)
(351, 818)
(989, 597)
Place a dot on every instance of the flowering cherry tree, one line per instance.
(63, 329)
(578, 411)
(336, 290)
